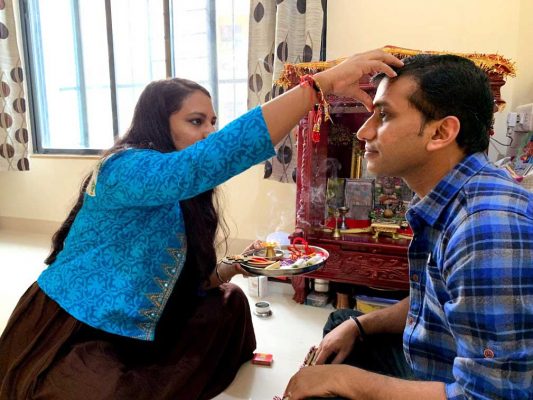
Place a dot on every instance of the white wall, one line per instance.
(523, 83)
(255, 207)
(451, 25)
(47, 191)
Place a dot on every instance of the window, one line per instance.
(88, 61)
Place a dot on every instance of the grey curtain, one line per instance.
(14, 138)
(281, 31)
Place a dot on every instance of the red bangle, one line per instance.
(308, 80)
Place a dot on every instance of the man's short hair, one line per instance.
(450, 85)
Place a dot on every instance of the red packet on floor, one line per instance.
(262, 359)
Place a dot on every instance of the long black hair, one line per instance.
(150, 129)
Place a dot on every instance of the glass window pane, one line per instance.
(194, 54)
(96, 74)
(232, 101)
(191, 41)
(139, 47)
(71, 73)
(64, 121)
(100, 117)
(232, 51)
(71, 83)
(232, 39)
(54, 52)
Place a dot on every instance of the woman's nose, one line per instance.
(209, 130)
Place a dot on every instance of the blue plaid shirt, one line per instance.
(470, 320)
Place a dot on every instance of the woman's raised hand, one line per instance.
(343, 78)
(283, 112)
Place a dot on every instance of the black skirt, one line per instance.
(201, 342)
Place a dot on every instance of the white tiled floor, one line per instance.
(287, 334)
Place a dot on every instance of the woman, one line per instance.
(133, 303)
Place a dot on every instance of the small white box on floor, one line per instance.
(257, 286)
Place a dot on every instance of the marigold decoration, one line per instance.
(492, 64)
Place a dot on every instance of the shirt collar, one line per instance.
(430, 207)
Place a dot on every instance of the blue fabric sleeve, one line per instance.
(150, 178)
(489, 275)
(454, 391)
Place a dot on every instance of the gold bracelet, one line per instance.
(218, 275)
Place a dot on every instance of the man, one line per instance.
(468, 322)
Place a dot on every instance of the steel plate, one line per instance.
(287, 272)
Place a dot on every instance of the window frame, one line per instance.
(34, 77)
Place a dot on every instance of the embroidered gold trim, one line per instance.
(91, 186)
(160, 299)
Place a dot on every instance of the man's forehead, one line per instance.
(395, 90)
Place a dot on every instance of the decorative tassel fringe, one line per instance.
(492, 64)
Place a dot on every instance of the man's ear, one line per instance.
(445, 133)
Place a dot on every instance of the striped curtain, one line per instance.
(281, 31)
(14, 137)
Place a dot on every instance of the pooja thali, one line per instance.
(288, 260)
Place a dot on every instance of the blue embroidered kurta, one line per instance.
(127, 247)
(470, 322)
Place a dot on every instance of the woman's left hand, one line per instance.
(255, 245)
(228, 271)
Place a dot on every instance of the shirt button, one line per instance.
(488, 353)
(414, 278)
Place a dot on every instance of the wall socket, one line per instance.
(524, 122)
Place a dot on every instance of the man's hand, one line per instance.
(355, 383)
(339, 341)
(319, 381)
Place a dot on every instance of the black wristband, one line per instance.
(362, 333)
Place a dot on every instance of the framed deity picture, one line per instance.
(334, 195)
(358, 197)
(391, 197)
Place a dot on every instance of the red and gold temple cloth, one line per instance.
(496, 66)
(493, 64)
